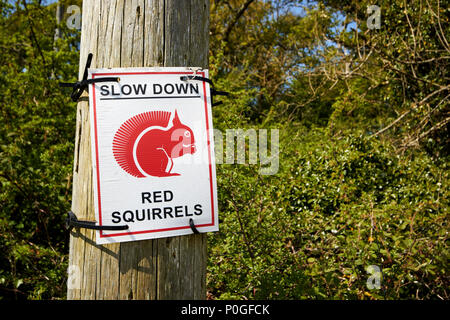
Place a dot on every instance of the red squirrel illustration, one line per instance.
(145, 144)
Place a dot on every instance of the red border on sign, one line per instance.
(102, 235)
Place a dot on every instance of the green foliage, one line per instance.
(343, 199)
(399, 71)
(36, 147)
(336, 207)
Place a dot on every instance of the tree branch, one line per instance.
(413, 108)
(236, 19)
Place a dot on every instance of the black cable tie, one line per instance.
(220, 93)
(214, 92)
(80, 86)
(72, 221)
(192, 225)
(186, 78)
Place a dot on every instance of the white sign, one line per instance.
(153, 153)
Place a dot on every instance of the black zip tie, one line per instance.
(80, 86)
(192, 225)
(214, 92)
(72, 221)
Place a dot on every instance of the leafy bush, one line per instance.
(337, 206)
(36, 152)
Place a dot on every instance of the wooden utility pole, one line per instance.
(134, 33)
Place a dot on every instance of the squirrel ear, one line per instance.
(176, 120)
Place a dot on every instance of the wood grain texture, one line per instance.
(134, 33)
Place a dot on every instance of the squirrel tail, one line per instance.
(127, 134)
